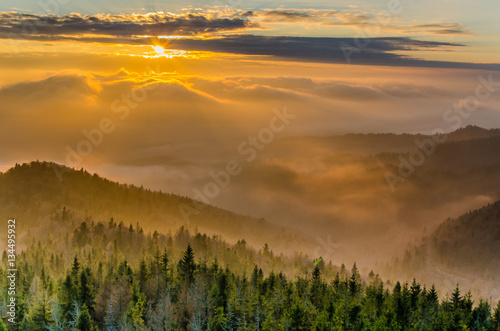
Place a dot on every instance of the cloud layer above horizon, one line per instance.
(377, 39)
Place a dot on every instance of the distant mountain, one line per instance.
(374, 143)
(461, 250)
(343, 173)
(38, 197)
(472, 132)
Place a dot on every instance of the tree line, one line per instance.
(112, 277)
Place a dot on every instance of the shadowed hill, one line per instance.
(461, 250)
(374, 143)
(34, 195)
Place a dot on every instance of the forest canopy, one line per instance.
(113, 277)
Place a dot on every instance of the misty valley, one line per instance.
(96, 254)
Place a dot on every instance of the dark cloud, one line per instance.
(156, 24)
(139, 29)
(286, 15)
(309, 48)
(440, 28)
(353, 18)
(369, 51)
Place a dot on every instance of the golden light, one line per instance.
(159, 50)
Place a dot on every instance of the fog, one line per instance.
(175, 132)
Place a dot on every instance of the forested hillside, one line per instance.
(37, 192)
(116, 277)
(83, 267)
(465, 249)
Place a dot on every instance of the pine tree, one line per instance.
(218, 321)
(187, 266)
(323, 322)
(110, 322)
(40, 317)
(86, 290)
(343, 272)
(82, 234)
(353, 285)
(415, 291)
(432, 296)
(75, 269)
(143, 275)
(496, 317)
(137, 314)
(481, 316)
(296, 316)
(164, 266)
(67, 296)
(355, 273)
(456, 299)
(317, 291)
(85, 322)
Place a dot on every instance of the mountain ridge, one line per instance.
(462, 250)
(33, 192)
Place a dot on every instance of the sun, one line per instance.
(159, 50)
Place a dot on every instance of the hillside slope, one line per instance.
(462, 250)
(34, 195)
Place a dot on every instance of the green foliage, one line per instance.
(161, 286)
(137, 314)
(85, 322)
(218, 321)
(187, 266)
(295, 317)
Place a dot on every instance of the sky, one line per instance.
(162, 93)
(220, 67)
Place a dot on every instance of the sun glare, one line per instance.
(159, 50)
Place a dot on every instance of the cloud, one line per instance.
(55, 87)
(52, 112)
(436, 28)
(324, 17)
(377, 51)
(354, 18)
(132, 25)
(137, 29)
(296, 88)
(189, 126)
(286, 16)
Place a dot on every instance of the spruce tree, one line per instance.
(456, 299)
(432, 296)
(85, 322)
(86, 293)
(187, 266)
(496, 317)
(143, 275)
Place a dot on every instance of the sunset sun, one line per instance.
(159, 50)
